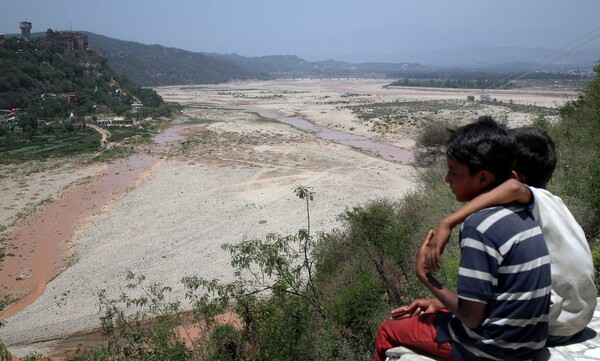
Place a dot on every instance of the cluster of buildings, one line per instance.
(67, 40)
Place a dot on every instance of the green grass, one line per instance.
(215, 114)
(194, 120)
(131, 134)
(113, 153)
(17, 146)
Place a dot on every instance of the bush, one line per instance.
(378, 233)
(4, 354)
(224, 344)
(355, 308)
(431, 144)
(577, 138)
(277, 328)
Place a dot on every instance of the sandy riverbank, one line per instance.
(329, 102)
(235, 182)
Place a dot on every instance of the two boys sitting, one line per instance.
(519, 287)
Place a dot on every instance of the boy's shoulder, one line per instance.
(502, 218)
(493, 213)
(542, 193)
(545, 198)
(551, 212)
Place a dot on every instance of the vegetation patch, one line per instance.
(132, 134)
(524, 108)
(207, 114)
(115, 152)
(498, 80)
(195, 120)
(70, 139)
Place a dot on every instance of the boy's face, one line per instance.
(464, 185)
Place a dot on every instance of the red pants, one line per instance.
(418, 333)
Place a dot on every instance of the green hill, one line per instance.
(34, 75)
(47, 95)
(159, 65)
(152, 65)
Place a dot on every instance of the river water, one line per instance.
(385, 151)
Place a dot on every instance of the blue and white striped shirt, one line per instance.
(504, 264)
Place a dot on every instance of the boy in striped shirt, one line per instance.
(573, 295)
(500, 308)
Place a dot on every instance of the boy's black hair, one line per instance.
(536, 156)
(484, 145)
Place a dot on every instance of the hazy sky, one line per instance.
(316, 29)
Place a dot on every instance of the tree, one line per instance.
(150, 98)
(54, 107)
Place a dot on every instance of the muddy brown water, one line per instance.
(40, 241)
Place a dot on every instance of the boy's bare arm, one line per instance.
(510, 191)
(470, 313)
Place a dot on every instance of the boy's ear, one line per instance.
(519, 176)
(486, 178)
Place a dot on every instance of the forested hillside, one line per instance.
(47, 95)
(152, 65)
(159, 65)
(33, 75)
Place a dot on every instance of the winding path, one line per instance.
(104, 135)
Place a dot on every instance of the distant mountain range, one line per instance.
(155, 64)
(500, 57)
(159, 65)
(151, 65)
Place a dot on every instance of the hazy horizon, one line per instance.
(320, 30)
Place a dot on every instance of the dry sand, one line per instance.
(236, 185)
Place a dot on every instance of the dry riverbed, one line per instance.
(225, 176)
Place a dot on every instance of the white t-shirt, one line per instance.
(573, 290)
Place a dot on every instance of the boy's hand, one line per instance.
(421, 267)
(416, 308)
(436, 245)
